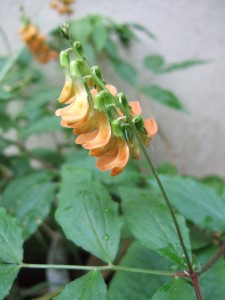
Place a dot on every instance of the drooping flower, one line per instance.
(36, 43)
(62, 6)
(94, 114)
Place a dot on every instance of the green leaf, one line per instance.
(124, 69)
(11, 241)
(6, 122)
(167, 168)
(175, 289)
(41, 98)
(183, 65)
(131, 176)
(82, 29)
(215, 182)
(197, 202)
(212, 282)
(163, 96)
(29, 198)
(3, 144)
(8, 274)
(87, 213)
(138, 286)
(154, 62)
(143, 29)
(100, 35)
(150, 222)
(43, 125)
(111, 48)
(88, 287)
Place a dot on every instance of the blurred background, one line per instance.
(183, 30)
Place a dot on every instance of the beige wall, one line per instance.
(185, 29)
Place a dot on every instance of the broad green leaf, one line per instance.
(49, 155)
(11, 241)
(88, 287)
(183, 65)
(163, 96)
(138, 286)
(87, 214)
(154, 62)
(124, 69)
(131, 176)
(215, 182)
(197, 202)
(99, 35)
(18, 165)
(167, 168)
(43, 125)
(111, 48)
(175, 289)
(151, 223)
(143, 29)
(29, 198)
(8, 274)
(212, 282)
(82, 29)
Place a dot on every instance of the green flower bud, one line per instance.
(117, 128)
(139, 123)
(64, 59)
(78, 68)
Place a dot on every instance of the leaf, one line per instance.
(88, 287)
(43, 125)
(6, 122)
(29, 198)
(3, 144)
(87, 214)
(212, 282)
(11, 242)
(99, 35)
(151, 223)
(131, 176)
(183, 65)
(167, 168)
(124, 69)
(143, 29)
(163, 96)
(8, 274)
(138, 286)
(154, 62)
(175, 289)
(197, 202)
(215, 182)
(41, 98)
(82, 29)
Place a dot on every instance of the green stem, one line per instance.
(5, 41)
(129, 119)
(99, 268)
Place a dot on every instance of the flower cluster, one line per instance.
(62, 6)
(36, 43)
(94, 110)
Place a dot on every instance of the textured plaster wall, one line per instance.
(185, 29)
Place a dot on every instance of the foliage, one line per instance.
(119, 225)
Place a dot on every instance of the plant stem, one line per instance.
(192, 274)
(214, 259)
(100, 268)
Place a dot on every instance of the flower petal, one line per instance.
(99, 137)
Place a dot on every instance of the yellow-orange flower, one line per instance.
(36, 43)
(93, 126)
(62, 6)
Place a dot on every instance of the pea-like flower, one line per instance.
(94, 113)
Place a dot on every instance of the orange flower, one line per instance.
(114, 156)
(99, 137)
(93, 126)
(62, 6)
(36, 44)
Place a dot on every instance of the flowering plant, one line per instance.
(131, 236)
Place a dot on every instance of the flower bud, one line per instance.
(64, 59)
(78, 68)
